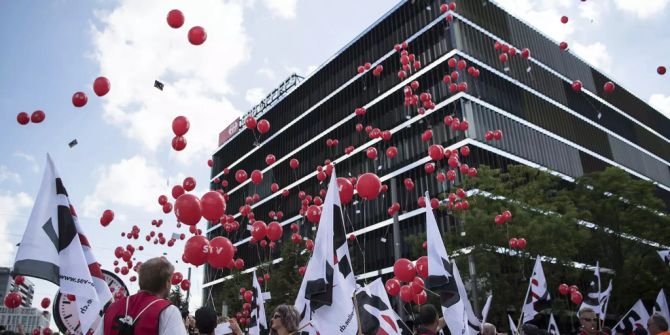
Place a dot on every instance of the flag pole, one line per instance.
(358, 317)
(518, 325)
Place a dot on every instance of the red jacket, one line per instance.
(144, 312)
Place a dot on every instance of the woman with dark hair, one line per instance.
(285, 320)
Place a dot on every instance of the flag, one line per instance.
(512, 326)
(553, 327)
(445, 280)
(661, 306)
(327, 290)
(604, 300)
(537, 297)
(55, 248)
(375, 312)
(485, 310)
(257, 320)
(636, 317)
(665, 256)
(592, 297)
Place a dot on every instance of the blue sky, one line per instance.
(124, 161)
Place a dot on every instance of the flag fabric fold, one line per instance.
(635, 318)
(445, 280)
(325, 298)
(55, 248)
(592, 296)
(375, 311)
(258, 323)
(512, 326)
(661, 306)
(665, 256)
(538, 297)
(552, 329)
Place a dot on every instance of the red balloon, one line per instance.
(46, 331)
(37, 116)
(371, 152)
(404, 270)
(177, 277)
(240, 176)
(391, 152)
(274, 231)
(609, 87)
(427, 135)
(314, 214)
(45, 303)
(256, 177)
(189, 184)
(178, 143)
(197, 35)
(180, 125)
(162, 199)
(346, 190)
(259, 230)
(270, 159)
(263, 126)
(436, 152)
(564, 19)
(239, 264)
(175, 18)
(661, 70)
(177, 191)
(564, 289)
(196, 250)
(422, 266)
(406, 293)
(13, 300)
(23, 118)
(188, 209)
(368, 186)
(392, 287)
(213, 205)
(525, 53)
(79, 99)
(420, 298)
(417, 285)
(309, 245)
(521, 243)
(220, 252)
(101, 86)
(503, 58)
(576, 297)
(248, 296)
(185, 284)
(574, 288)
(513, 243)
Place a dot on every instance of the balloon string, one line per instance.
(351, 224)
(365, 236)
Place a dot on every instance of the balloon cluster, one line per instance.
(125, 255)
(101, 87)
(507, 51)
(503, 218)
(180, 126)
(451, 79)
(517, 243)
(409, 280)
(36, 117)
(196, 35)
(107, 217)
(575, 295)
(446, 8)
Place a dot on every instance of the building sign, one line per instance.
(229, 131)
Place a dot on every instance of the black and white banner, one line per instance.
(325, 298)
(257, 320)
(538, 297)
(661, 306)
(55, 248)
(592, 296)
(377, 316)
(552, 329)
(636, 318)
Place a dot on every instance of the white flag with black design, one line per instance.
(538, 297)
(329, 284)
(54, 248)
(257, 320)
(445, 280)
(604, 300)
(636, 317)
(661, 306)
(592, 296)
(485, 310)
(375, 311)
(665, 256)
(553, 327)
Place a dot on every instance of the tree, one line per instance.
(176, 298)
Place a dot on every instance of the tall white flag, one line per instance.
(445, 279)
(327, 290)
(538, 297)
(636, 317)
(665, 256)
(54, 248)
(661, 306)
(512, 326)
(375, 310)
(553, 327)
(592, 297)
(257, 320)
(604, 300)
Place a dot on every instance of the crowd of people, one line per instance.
(149, 312)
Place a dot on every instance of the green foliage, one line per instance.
(176, 297)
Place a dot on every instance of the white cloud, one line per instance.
(595, 54)
(30, 158)
(285, 9)
(642, 10)
(254, 95)
(134, 46)
(14, 212)
(544, 15)
(661, 103)
(268, 73)
(132, 182)
(6, 174)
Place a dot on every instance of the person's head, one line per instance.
(489, 329)
(657, 324)
(155, 276)
(285, 319)
(205, 320)
(588, 320)
(529, 329)
(428, 317)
